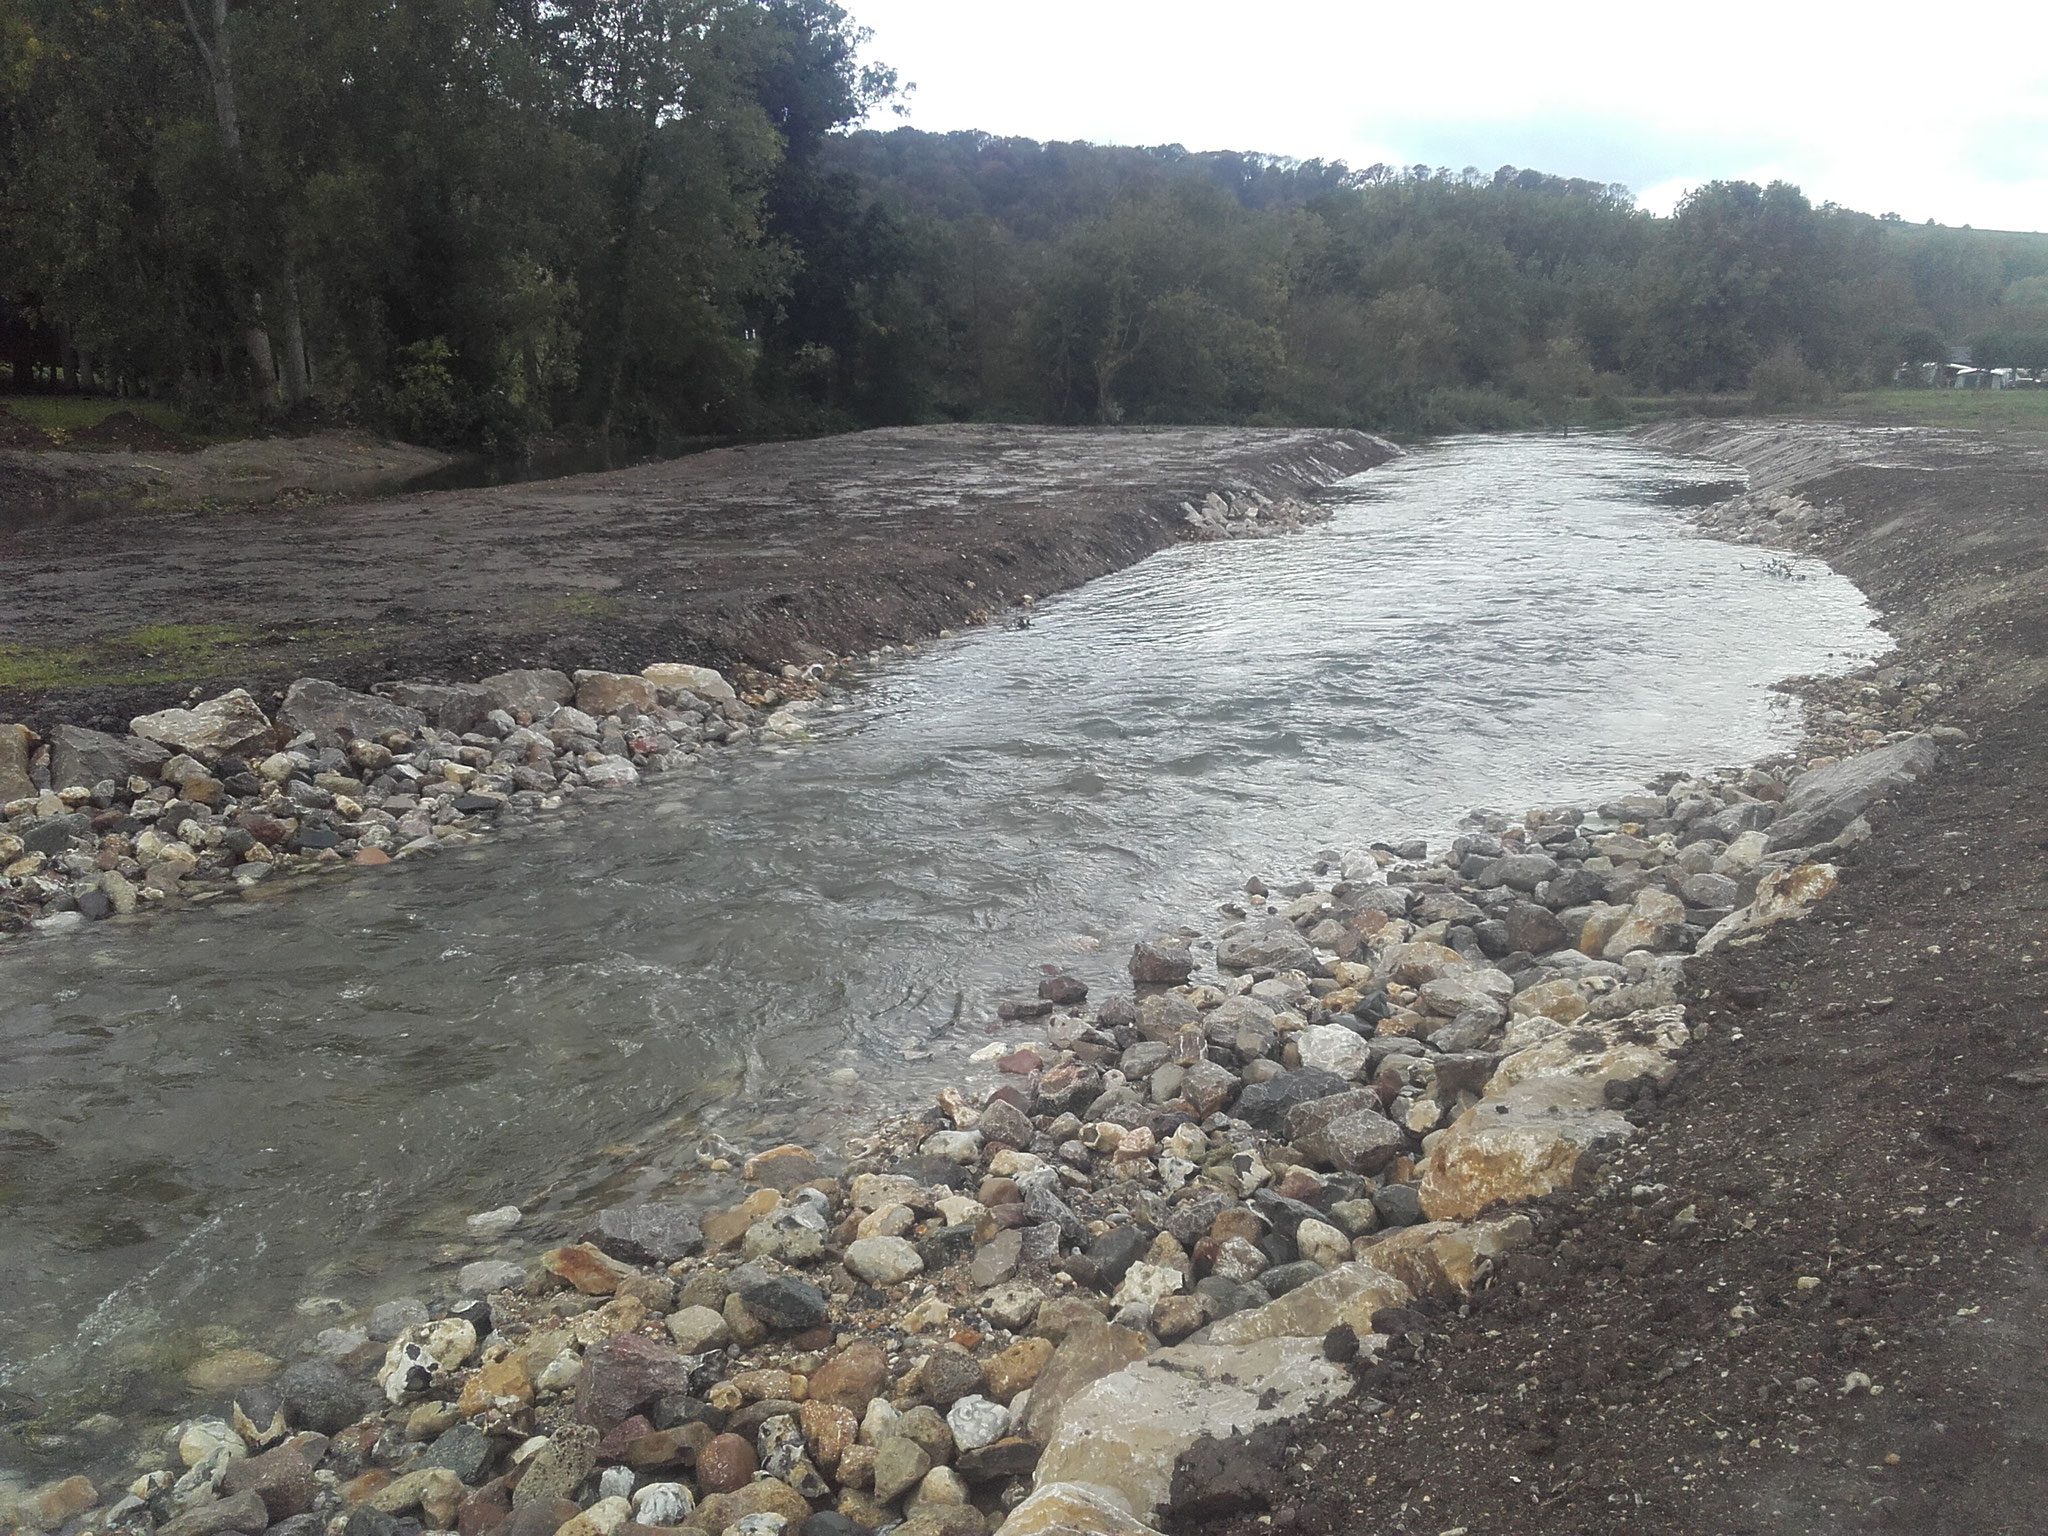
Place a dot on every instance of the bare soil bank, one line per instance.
(141, 466)
(1815, 1298)
(759, 554)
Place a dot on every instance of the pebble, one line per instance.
(975, 1422)
(359, 779)
(755, 1345)
(493, 1223)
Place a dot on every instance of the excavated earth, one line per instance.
(1811, 1296)
(762, 555)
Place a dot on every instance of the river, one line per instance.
(205, 1120)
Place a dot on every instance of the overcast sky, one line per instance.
(1930, 112)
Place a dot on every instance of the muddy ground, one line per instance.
(127, 465)
(759, 554)
(1814, 1297)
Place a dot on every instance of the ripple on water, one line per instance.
(224, 1116)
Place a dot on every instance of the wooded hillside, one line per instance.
(473, 221)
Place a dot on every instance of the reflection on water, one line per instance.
(209, 1119)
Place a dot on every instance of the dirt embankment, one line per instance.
(1814, 1299)
(129, 463)
(762, 554)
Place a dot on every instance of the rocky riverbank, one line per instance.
(749, 556)
(1790, 1303)
(1090, 1295)
(1246, 1206)
(219, 798)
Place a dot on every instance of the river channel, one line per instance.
(205, 1120)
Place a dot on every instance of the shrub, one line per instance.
(1783, 381)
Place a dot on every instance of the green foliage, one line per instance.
(474, 221)
(1783, 381)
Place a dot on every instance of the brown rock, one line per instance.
(1302, 1184)
(746, 1329)
(1017, 1368)
(435, 1491)
(280, 1478)
(1530, 1141)
(996, 1191)
(1442, 1259)
(484, 1510)
(232, 1368)
(539, 1519)
(757, 1386)
(785, 1167)
(1062, 1315)
(724, 1465)
(1175, 1317)
(1072, 1509)
(931, 1518)
(244, 1512)
(557, 1468)
(768, 1496)
(590, 1269)
(1012, 1456)
(503, 1386)
(852, 1377)
(369, 858)
(668, 1447)
(16, 745)
(724, 1229)
(624, 1375)
(55, 1503)
(657, 1293)
(621, 1435)
(900, 1465)
(607, 693)
(857, 1467)
(1087, 1355)
(828, 1429)
(1237, 1221)
(367, 1485)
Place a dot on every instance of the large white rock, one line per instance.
(1348, 1295)
(1126, 1432)
(1781, 895)
(233, 724)
(1444, 1259)
(1148, 1284)
(883, 1260)
(1521, 1144)
(1333, 1048)
(1583, 1058)
(705, 682)
(1073, 1509)
(424, 1356)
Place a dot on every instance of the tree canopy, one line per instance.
(473, 221)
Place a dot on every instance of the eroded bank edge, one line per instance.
(891, 1253)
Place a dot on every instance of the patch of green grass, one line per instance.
(166, 653)
(587, 605)
(1980, 408)
(74, 413)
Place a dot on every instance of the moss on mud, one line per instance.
(166, 653)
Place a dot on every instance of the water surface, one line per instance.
(207, 1119)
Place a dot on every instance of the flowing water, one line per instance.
(207, 1119)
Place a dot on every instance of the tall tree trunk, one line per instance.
(220, 75)
(262, 359)
(296, 374)
(634, 187)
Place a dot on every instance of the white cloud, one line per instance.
(1931, 114)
